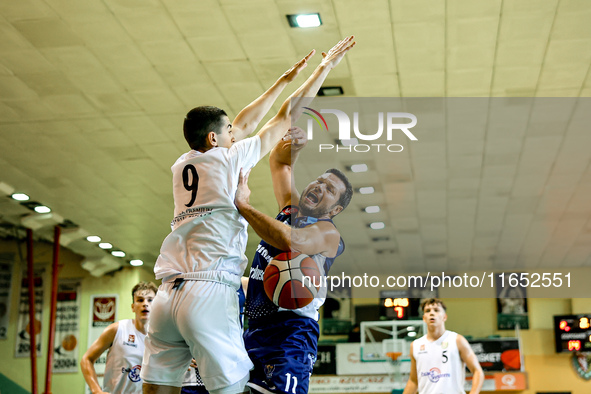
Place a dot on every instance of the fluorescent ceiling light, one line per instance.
(42, 209)
(331, 91)
(366, 190)
(304, 20)
(105, 245)
(412, 334)
(136, 263)
(377, 225)
(20, 197)
(359, 167)
(118, 253)
(93, 238)
(372, 209)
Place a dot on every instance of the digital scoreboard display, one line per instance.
(572, 333)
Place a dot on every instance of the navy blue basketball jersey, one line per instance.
(258, 305)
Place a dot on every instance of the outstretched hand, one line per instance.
(336, 53)
(242, 196)
(293, 72)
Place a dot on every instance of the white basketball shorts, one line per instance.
(197, 319)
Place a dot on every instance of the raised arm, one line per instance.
(93, 353)
(282, 159)
(321, 237)
(467, 355)
(249, 118)
(292, 107)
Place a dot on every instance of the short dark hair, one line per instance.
(143, 286)
(432, 301)
(345, 198)
(199, 122)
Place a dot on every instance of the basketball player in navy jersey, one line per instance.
(438, 359)
(283, 343)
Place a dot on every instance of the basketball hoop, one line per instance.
(393, 357)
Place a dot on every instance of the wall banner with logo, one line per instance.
(25, 328)
(6, 264)
(103, 312)
(500, 354)
(67, 326)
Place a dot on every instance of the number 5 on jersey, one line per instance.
(191, 182)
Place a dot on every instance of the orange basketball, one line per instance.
(69, 342)
(292, 280)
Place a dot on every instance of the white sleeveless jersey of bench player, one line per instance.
(440, 370)
(208, 233)
(124, 360)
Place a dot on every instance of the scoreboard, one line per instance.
(572, 333)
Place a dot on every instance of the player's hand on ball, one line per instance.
(242, 197)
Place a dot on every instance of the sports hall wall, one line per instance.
(547, 371)
(19, 369)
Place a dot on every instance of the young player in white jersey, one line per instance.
(438, 359)
(125, 341)
(283, 343)
(202, 259)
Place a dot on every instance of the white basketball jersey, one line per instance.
(440, 370)
(208, 233)
(124, 360)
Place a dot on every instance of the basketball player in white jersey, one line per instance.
(438, 360)
(195, 312)
(125, 341)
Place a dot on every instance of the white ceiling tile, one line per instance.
(158, 101)
(217, 48)
(25, 9)
(472, 32)
(257, 46)
(72, 104)
(117, 102)
(12, 39)
(167, 52)
(100, 31)
(420, 10)
(201, 94)
(96, 82)
(230, 72)
(14, 88)
(571, 24)
(565, 76)
(149, 24)
(47, 33)
(375, 12)
(73, 60)
(26, 62)
(471, 9)
(49, 83)
(422, 84)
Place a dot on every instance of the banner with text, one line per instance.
(6, 264)
(26, 328)
(67, 327)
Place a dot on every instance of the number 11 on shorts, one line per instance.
(288, 379)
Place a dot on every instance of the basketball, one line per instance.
(284, 280)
